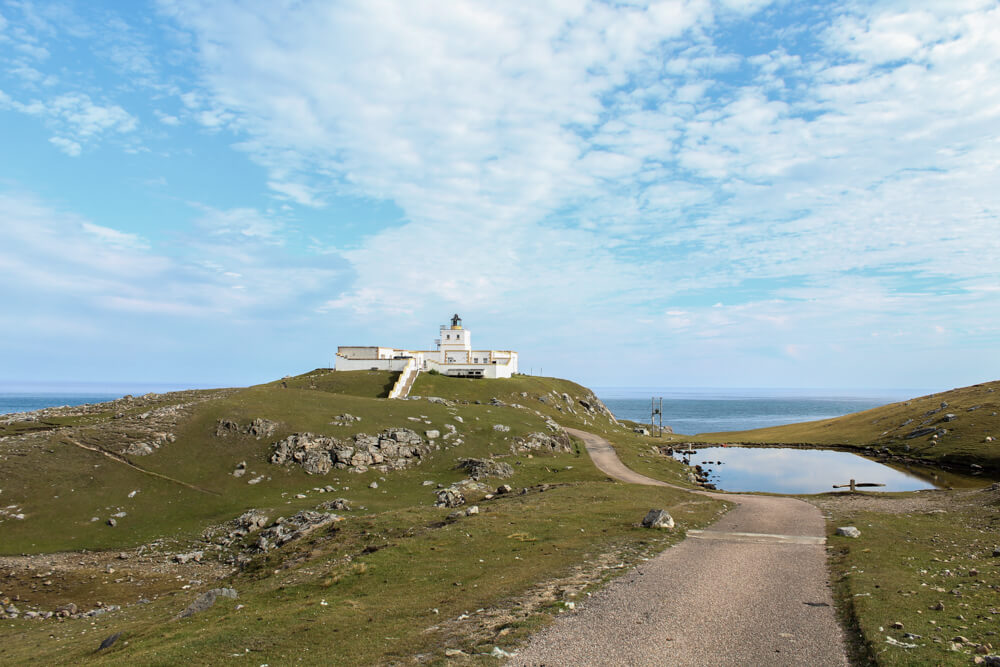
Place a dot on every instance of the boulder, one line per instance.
(658, 519)
(848, 531)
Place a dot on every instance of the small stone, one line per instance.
(938, 607)
(897, 625)
(109, 641)
(848, 531)
(373, 485)
(472, 510)
(112, 523)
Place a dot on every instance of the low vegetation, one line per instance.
(119, 507)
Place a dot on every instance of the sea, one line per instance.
(26, 397)
(690, 411)
(687, 411)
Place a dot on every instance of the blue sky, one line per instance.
(719, 193)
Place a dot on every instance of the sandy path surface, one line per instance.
(751, 590)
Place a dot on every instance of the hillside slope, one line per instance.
(324, 506)
(957, 427)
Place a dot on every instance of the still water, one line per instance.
(782, 470)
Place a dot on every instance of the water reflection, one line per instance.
(779, 470)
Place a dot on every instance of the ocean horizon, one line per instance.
(687, 410)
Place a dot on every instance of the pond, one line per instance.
(786, 470)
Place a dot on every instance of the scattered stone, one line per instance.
(848, 531)
(938, 607)
(112, 523)
(345, 420)
(658, 519)
(373, 485)
(501, 428)
(641, 430)
(195, 556)
(897, 626)
(504, 488)
(206, 600)
(432, 434)
(241, 469)
(916, 433)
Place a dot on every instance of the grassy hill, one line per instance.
(957, 427)
(392, 577)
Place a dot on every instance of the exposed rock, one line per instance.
(916, 433)
(241, 469)
(258, 428)
(439, 400)
(206, 600)
(340, 504)
(345, 419)
(393, 449)
(501, 428)
(109, 642)
(432, 435)
(533, 442)
(658, 519)
(480, 468)
(450, 497)
(641, 430)
(285, 530)
(195, 556)
(504, 488)
(848, 531)
(112, 523)
(147, 447)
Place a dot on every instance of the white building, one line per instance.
(454, 356)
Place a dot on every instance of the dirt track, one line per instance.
(751, 590)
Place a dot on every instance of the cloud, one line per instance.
(67, 146)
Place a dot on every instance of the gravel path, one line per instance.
(752, 590)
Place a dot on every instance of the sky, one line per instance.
(690, 193)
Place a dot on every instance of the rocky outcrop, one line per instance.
(480, 468)
(283, 530)
(542, 442)
(150, 445)
(392, 449)
(258, 428)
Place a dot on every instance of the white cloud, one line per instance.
(67, 146)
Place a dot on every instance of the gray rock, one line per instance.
(107, 643)
(206, 600)
(432, 435)
(480, 468)
(112, 523)
(501, 428)
(450, 497)
(504, 488)
(340, 505)
(848, 531)
(916, 433)
(658, 519)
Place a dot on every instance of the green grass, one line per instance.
(908, 559)
(379, 603)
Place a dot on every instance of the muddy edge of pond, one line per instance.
(955, 466)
